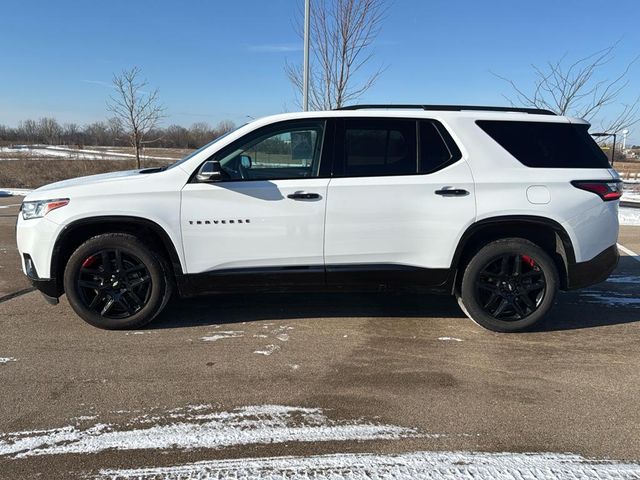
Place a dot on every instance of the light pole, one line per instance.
(305, 68)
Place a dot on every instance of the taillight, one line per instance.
(606, 189)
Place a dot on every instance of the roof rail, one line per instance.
(450, 108)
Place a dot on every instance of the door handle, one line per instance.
(303, 196)
(452, 192)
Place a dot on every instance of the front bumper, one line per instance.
(47, 286)
(596, 270)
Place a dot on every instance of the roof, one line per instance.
(443, 113)
(448, 108)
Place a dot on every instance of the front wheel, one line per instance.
(509, 285)
(114, 281)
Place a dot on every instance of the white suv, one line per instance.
(498, 206)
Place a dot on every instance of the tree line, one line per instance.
(110, 132)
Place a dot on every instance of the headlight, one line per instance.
(41, 207)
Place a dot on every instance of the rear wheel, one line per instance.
(114, 281)
(509, 285)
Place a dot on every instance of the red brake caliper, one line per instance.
(89, 261)
(528, 260)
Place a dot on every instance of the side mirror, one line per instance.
(245, 161)
(211, 171)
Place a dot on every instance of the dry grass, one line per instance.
(35, 173)
(631, 166)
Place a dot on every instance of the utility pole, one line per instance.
(305, 73)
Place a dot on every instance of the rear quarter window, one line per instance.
(547, 145)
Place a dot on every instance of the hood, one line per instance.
(86, 181)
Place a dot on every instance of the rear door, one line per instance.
(400, 198)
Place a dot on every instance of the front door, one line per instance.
(266, 216)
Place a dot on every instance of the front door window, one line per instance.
(285, 154)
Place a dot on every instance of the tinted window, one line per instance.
(292, 152)
(380, 147)
(547, 145)
(434, 152)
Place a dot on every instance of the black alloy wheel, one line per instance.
(508, 285)
(117, 281)
(114, 284)
(511, 287)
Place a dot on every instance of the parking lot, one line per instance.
(237, 382)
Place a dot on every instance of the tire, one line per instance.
(114, 281)
(509, 295)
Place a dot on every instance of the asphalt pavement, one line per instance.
(296, 382)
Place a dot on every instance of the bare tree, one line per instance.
(49, 130)
(71, 133)
(581, 89)
(137, 110)
(342, 33)
(28, 130)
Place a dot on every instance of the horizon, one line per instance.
(215, 62)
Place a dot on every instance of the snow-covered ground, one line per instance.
(197, 427)
(69, 153)
(631, 196)
(631, 192)
(406, 466)
(200, 427)
(629, 216)
(14, 192)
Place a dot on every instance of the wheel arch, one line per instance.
(78, 231)
(545, 232)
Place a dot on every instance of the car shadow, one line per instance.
(228, 308)
(614, 302)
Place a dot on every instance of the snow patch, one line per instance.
(14, 192)
(223, 334)
(629, 195)
(4, 360)
(449, 339)
(629, 216)
(197, 427)
(71, 153)
(85, 418)
(613, 299)
(407, 466)
(631, 279)
(268, 350)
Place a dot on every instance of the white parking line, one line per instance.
(631, 253)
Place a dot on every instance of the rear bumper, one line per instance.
(592, 271)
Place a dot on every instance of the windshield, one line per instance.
(194, 153)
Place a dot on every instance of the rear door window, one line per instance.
(437, 148)
(547, 145)
(374, 147)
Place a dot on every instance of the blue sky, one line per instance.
(215, 60)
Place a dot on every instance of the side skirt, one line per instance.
(379, 277)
